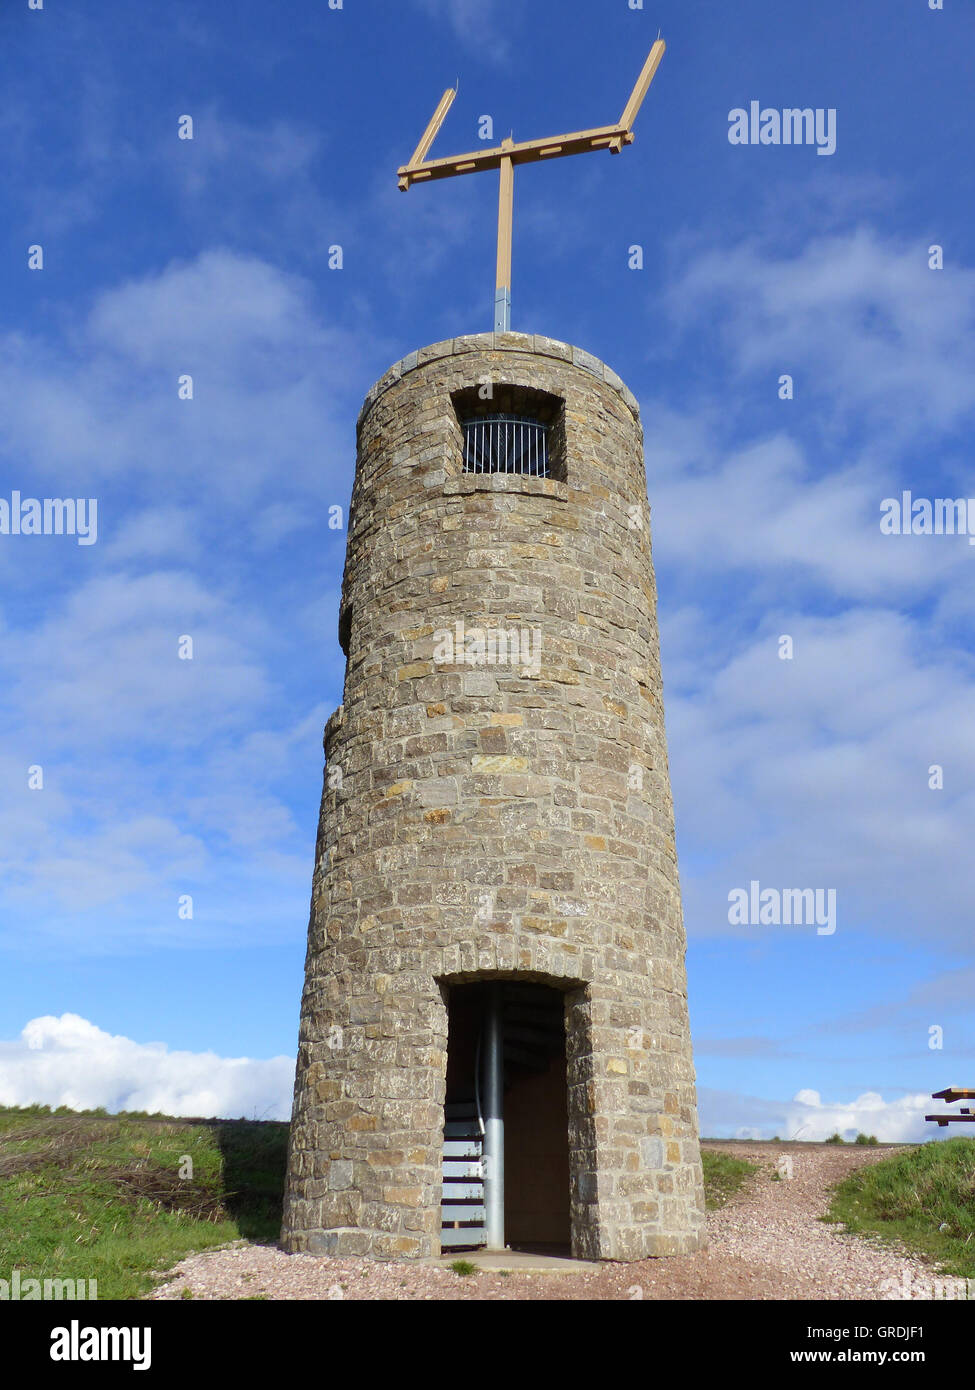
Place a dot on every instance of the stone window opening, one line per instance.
(514, 431)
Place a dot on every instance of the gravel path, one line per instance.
(767, 1243)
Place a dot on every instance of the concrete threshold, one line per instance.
(520, 1262)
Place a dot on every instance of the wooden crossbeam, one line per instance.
(505, 156)
(523, 152)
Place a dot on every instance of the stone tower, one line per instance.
(496, 873)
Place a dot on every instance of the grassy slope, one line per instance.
(92, 1196)
(89, 1196)
(911, 1196)
(723, 1176)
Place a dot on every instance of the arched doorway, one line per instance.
(506, 1092)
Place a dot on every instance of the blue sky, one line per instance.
(209, 257)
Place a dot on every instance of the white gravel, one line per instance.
(767, 1243)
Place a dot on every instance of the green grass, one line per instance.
(860, 1139)
(85, 1195)
(723, 1176)
(911, 1196)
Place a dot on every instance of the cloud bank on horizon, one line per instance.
(69, 1061)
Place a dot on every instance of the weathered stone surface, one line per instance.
(495, 820)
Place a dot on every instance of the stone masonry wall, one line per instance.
(495, 820)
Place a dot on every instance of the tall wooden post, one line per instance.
(506, 208)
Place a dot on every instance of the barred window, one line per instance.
(505, 444)
(514, 430)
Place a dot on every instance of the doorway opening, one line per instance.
(506, 1127)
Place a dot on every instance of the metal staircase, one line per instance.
(462, 1204)
(532, 1030)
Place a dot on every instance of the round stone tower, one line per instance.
(496, 873)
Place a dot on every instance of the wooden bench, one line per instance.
(953, 1093)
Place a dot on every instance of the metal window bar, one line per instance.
(506, 444)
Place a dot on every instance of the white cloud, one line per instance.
(740, 1047)
(156, 533)
(861, 320)
(279, 152)
(160, 775)
(164, 777)
(946, 995)
(106, 665)
(765, 507)
(881, 352)
(274, 390)
(807, 1117)
(475, 22)
(108, 863)
(69, 1061)
(243, 305)
(102, 856)
(814, 772)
